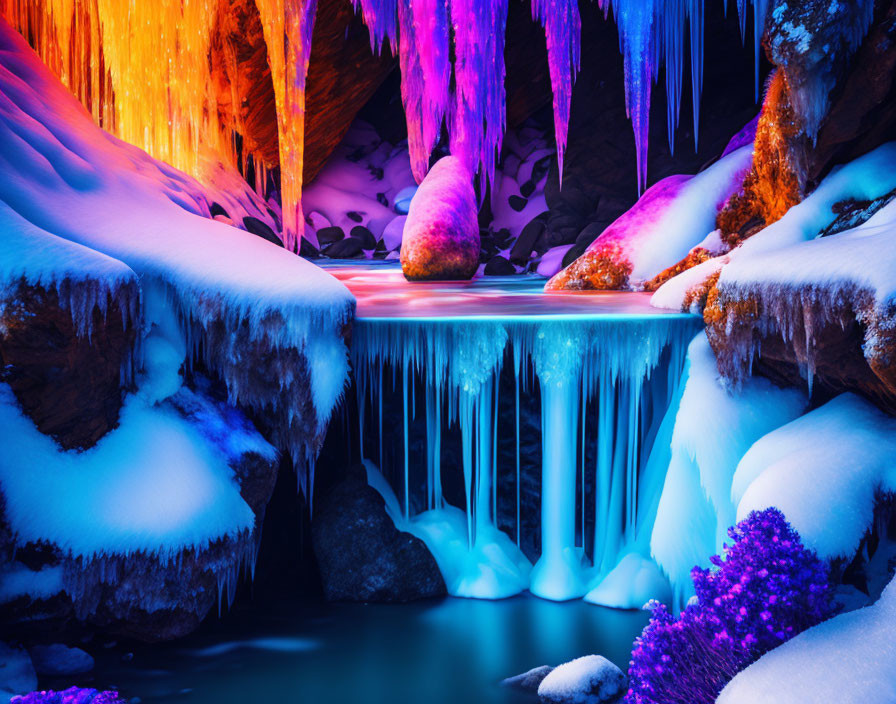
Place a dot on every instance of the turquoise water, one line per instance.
(450, 651)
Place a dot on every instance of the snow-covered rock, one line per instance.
(671, 217)
(441, 235)
(822, 305)
(58, 659)
(850, 659)
(591, 679)
(234, 295)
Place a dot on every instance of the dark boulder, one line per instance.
(328, 235)
(362, 555)
(257, 227)
(499, 266)
(348, 248)
(364, 236)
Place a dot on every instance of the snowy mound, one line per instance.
(824, 472)
(259, 309)
(851, 658)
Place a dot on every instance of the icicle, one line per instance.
(563, 29)
(635, 19)
(478, 115)
(287, 26)
(380, 16)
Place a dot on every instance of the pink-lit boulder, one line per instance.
(441, 235)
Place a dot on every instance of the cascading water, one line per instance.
(605, 367)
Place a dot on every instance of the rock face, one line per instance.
(587, 680)
(69, 384)
(362, 556)
(825, 104)
(343, 74)
(441, 235)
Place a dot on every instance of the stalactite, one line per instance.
(563, 31)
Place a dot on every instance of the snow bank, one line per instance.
(866, 178)
(823, 471)
(849, 659)
(245, 298)
(153, 485)
(714, 428)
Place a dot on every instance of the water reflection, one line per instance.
(450, 651)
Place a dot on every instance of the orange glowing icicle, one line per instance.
(141, 68)
(288, 25)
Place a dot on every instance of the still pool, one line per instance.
(450, 651)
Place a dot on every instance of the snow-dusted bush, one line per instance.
(766, 589)
(72, 695)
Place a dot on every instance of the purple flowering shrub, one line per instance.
(72, 695)
(766, 589)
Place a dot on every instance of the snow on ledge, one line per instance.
(155, 485)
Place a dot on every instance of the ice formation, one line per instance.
(226, 291)
(850, 658)
(451, 56)
(804, 279)
(714, 428)
(622, 371)
(825, 471)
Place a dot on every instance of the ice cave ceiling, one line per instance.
(176, 77)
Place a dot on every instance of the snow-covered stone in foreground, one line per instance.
(631, 584)
(441, 234)
(16, 673)
(591, 679)
(714, 428)
(671, 217)
(850, 659)
(58, 659)
(824, 472)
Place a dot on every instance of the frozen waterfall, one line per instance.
(439, 398)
